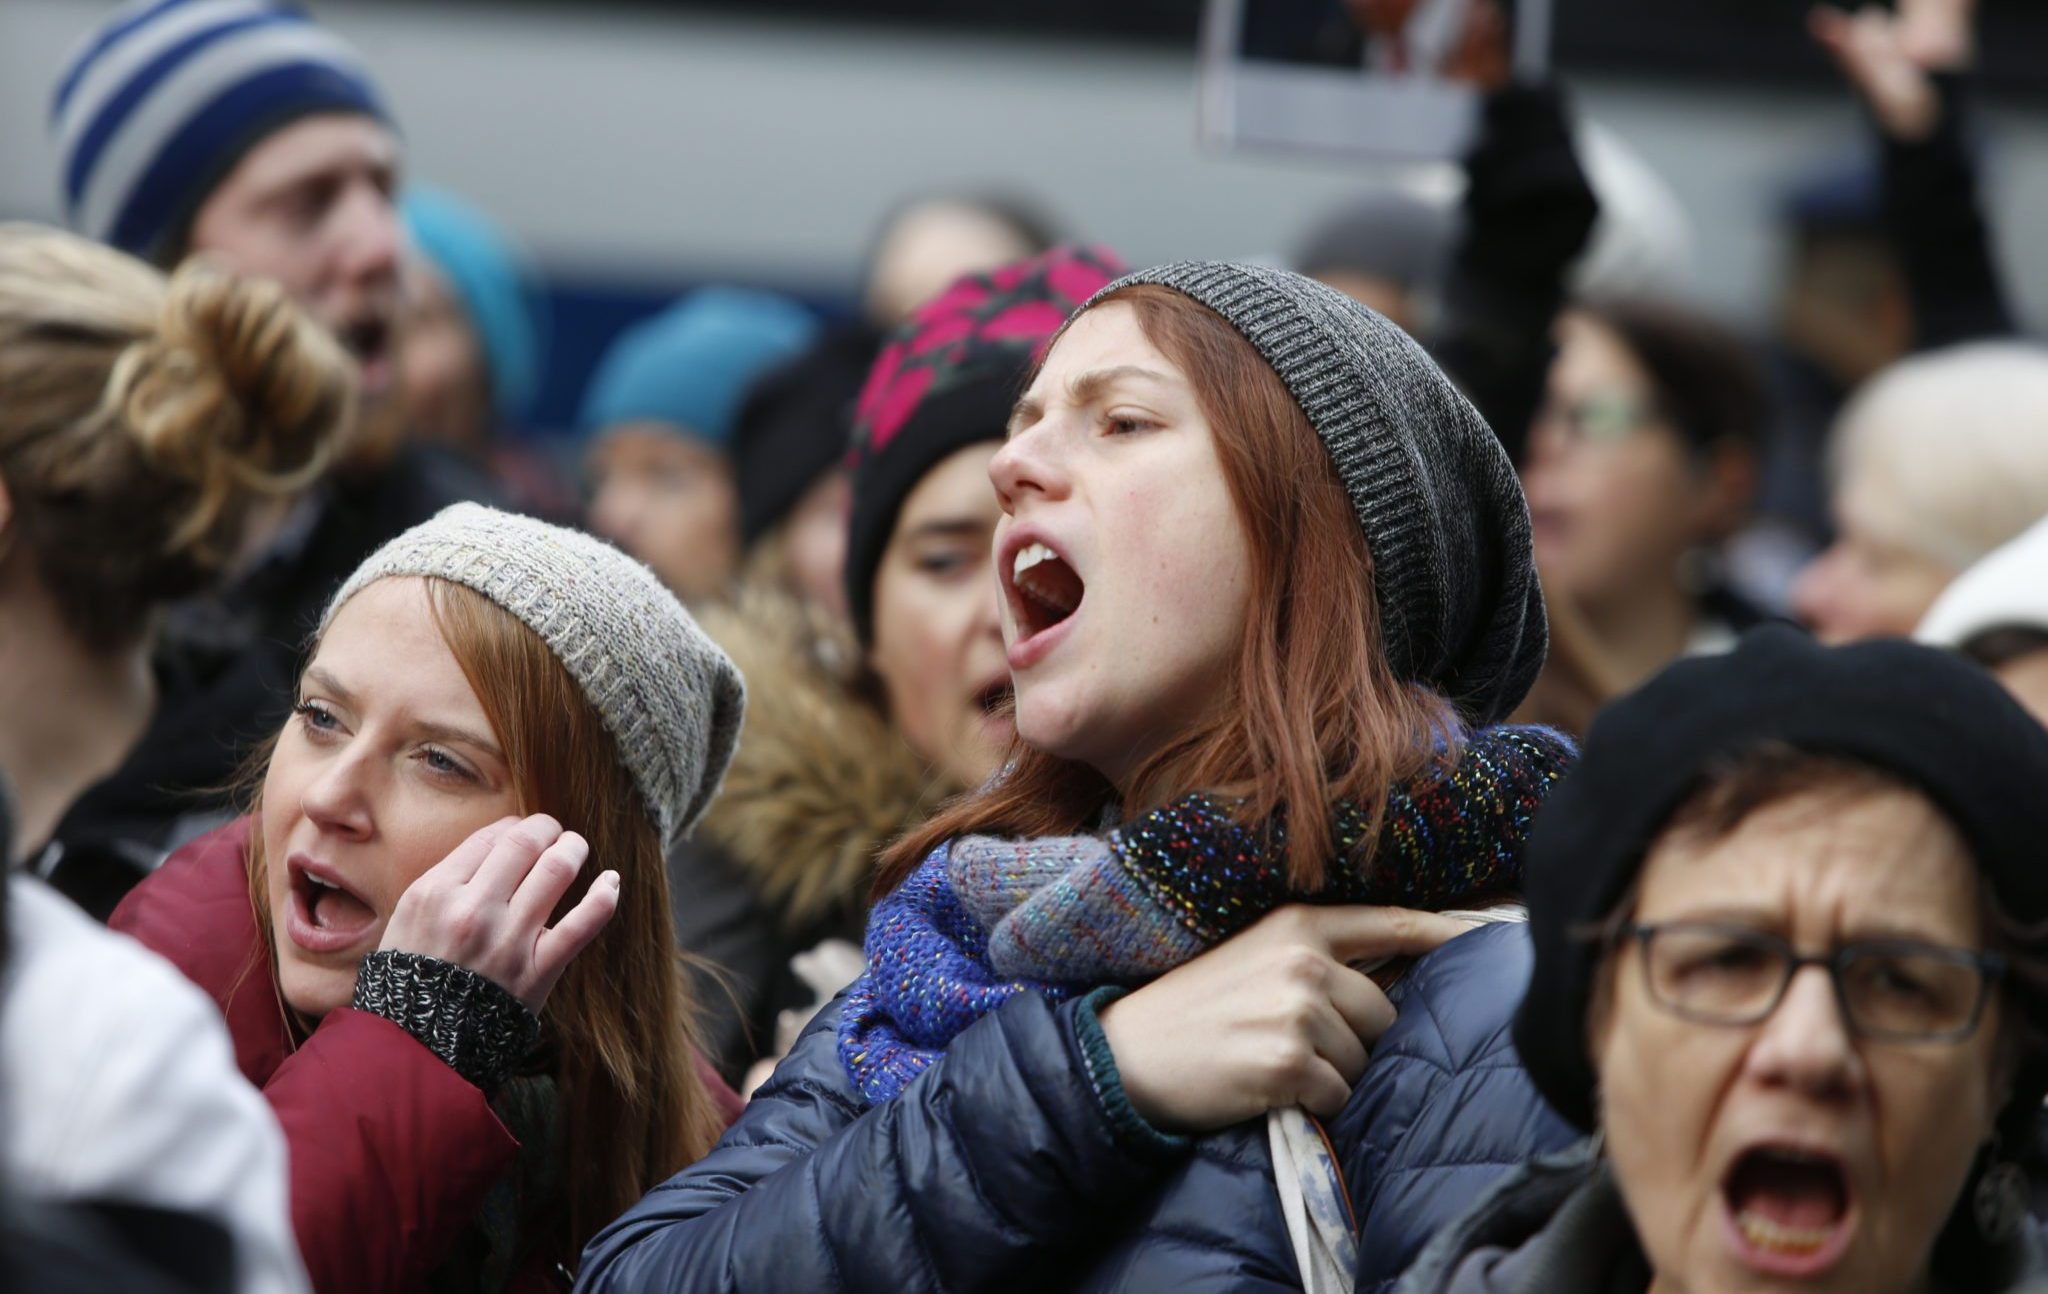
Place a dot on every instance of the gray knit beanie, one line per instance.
(1442, 510)
(669, 697)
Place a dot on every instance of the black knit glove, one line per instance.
(479, 1029)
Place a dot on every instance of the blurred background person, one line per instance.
(245, 133)
(144, 425)
(1387, 249)
(1996, 613)
(473, 347)
(1934, 463)
(789, 460)
(659, 416)
(839, 757)
(1642, 462)
(1890, 253)
(927, 242)
(142, 421)
(1787, 915)
(472, 340)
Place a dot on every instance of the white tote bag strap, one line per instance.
(1319, 1221)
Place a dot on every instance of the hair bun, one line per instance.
(237, 392)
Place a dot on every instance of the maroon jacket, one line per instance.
(391, 1151)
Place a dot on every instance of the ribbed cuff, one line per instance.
(480, 1031)
(1131, 1128)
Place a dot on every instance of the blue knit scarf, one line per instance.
(983, 919)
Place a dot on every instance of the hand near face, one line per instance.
(485, 907)
(1270, 1018)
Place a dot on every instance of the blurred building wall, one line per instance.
(636, 144)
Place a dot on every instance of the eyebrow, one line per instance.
(1881, 931)
(1083, 389)
(948, 528)
(326, 682)
(452, 734)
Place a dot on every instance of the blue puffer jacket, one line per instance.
(1001, 1167)
(1445, 1108)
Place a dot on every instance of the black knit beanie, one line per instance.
(797, 423)
(1440, 504)
(947, 379)
(1930, 719)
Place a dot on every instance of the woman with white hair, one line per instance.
(1936, 462)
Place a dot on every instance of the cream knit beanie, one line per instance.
(670, 698)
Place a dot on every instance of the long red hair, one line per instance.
(619, 1022)
(1313, 714)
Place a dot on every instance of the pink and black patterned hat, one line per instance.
(946, 379)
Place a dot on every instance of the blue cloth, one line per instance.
(494, 284)
(692, 365)
(1445, 1108)
(165, 96)
(1001, 1166)
(927, 981)
(1070, 913)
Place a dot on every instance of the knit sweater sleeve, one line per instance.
(984, 1171)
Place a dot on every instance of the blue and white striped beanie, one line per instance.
(165, 97)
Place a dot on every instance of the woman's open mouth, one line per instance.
(1044, 593)
(323, 915)
(1790, 1210)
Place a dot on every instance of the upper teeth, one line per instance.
(325, 885)
(1029, 556)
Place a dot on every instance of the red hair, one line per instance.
(633, 1108)
(1313, 713)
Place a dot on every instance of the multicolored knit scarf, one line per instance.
(984, 919)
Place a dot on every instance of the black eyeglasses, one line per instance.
(1889, 990)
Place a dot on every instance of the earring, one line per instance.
(2000, 1200)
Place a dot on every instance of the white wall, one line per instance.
(621, 140)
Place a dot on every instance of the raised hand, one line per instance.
(1272, 1017)
(485, 907)
(1888, 57)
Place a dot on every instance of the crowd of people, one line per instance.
(1545, 795)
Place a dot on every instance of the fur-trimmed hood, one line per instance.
(820, 781)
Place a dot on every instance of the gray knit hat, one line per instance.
(1442, 510)
(670, 698)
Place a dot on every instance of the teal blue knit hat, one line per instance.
(692, 365)
(495, 285)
